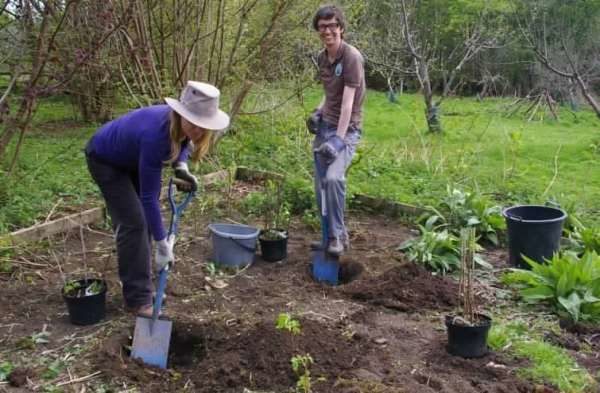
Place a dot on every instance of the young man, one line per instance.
(337, 121)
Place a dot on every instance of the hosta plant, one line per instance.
(571, 285)
(436, 248)
(582, 239)
(461, 209)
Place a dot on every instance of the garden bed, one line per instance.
(380, 332)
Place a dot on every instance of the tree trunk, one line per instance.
(586, 93)
(431, 108)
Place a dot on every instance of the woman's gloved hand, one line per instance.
(164, 253)
(183, 172)
(312, 122)
(330, 149)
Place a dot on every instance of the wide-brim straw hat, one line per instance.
(199, 104)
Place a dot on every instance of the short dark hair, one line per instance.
(328, 12)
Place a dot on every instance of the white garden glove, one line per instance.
(164, 253)
(183, 172)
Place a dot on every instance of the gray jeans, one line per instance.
(120, 191)
(334, 182)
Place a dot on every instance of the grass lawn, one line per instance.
(513, 160)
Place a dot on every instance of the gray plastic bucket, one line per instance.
(233, 245)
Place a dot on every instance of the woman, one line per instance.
(125, 158)
(337, 122)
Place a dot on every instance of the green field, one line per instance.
(511, 159)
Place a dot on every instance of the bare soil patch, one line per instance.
(382, 332)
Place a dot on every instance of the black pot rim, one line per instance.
(104, 287)
(562, 217)
(274, 229)
(485, 320)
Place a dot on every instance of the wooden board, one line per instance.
(91, 216)
(63, 224)
(248, 174)
(385, 206)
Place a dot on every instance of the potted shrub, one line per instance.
(85, 299)
(276, 217)
(467, 328)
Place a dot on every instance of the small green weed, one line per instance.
(30, 342)
(5, 370)
(286, 322)
(301, 366)
(54, 369)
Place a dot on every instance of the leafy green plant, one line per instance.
(461, 209)
(582, 239)
(570, 284)
(75, 288)
(5, 370)
(301, 366)
(6, 253)
(30, 342)
(54, 369)
(271, 207)
(436, 250)
(286, 322)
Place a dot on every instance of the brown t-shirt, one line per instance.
(346, 70)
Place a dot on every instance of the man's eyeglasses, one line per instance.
(330, 26)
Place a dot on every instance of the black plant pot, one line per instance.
(468, 341)
(86, 309)
(273, 250)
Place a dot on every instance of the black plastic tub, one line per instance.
(273, 250)
(468, 341)
(533, 231)
(89, 309)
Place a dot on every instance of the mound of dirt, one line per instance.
(406, 288)
(217, 358)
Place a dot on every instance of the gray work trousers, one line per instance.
(334, 182)
(120, 189)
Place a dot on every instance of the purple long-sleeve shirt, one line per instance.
(139, 141)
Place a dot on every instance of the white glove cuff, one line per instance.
(182, 165)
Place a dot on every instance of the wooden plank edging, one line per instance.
(248, 174)
(90, 216)
(386, 206)
(59, 225)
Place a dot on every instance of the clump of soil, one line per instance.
(579, 328)
(350, 271)
(406, 288)
(18, 376)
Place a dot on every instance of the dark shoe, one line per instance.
(336, 247)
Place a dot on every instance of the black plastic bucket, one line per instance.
(533, 231)
(87, 310)
(468, 341)
(273, 250)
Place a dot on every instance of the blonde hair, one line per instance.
(177, 136)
